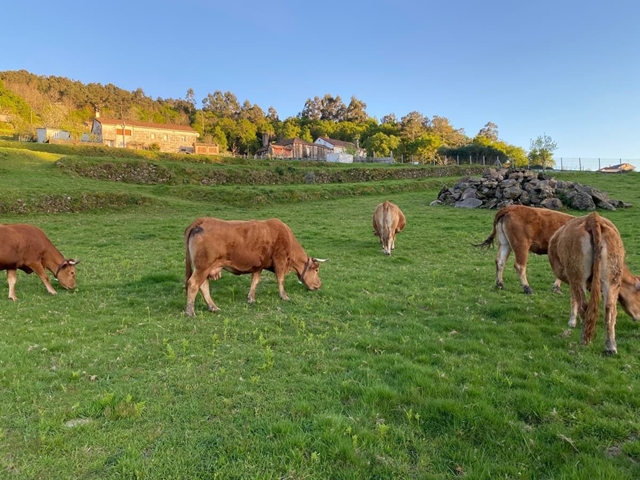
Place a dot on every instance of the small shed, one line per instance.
(620, 168)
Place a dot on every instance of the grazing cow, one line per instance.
(523, 230)
(27, 248)
(242, 247)
(588, 254)
(388, 220)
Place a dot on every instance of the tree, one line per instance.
(490, 131)
(381, 144)
(413, 125)
(541, 151)
(356, 111)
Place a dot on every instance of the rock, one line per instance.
(552, 204)
(582, 201)
(469, 203)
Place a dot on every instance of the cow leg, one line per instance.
(610, 314)
(503, 254)
(12, 277)
(255, 279)
(573, 316)
(196, 279)
(206, 294)
(521, 267)
(41, 272)
(280, 278)
(556, 286)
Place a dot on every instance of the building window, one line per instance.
(127, 132)
(153, 136)
(165, 137)
(183, 138)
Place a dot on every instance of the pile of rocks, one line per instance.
(499, 188)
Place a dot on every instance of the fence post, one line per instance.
(599, 163)
(483, 160)
(561, 166)
(469, 159)
(458, 160)
(579, 164)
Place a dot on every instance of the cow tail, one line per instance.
(191, 230)
(492, 236)
(593, 308)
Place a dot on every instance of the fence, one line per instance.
(560, 163)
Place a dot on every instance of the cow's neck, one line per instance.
(53, 260)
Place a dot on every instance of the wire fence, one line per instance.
(560, 163)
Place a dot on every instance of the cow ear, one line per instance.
(320, 260)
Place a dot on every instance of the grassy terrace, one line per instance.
(408, 366)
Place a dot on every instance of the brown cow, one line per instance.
(588, 254)
(523, 230)
(388, 220)
(242, 247)
(27, 248)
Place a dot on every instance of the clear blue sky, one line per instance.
(570, 69)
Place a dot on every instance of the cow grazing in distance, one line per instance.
(27, 248)
(588, 254)
(388, 220)
(523, 230)
(243, 247)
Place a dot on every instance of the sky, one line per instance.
(563, 68)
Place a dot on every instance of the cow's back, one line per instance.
(531, 226)
(22, 244)
(244, 245)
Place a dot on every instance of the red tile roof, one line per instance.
(160, 126)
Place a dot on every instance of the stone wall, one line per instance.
(503, 187)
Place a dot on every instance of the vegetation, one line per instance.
(408, 366)
(239, 128)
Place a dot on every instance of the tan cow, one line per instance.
(588, 254)
(523, 230)
(27, 248)
(388, 220)
(243, 247)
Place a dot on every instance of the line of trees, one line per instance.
(239, 128)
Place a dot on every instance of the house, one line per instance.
(46, 135)
(341, 151)
(620, 168)
(293, 148)
(133, 134)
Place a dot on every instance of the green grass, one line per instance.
(408, 366)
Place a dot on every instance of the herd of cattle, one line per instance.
(585, 252)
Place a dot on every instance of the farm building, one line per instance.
(620, 168)
(45, 135)
(293, 148)
(133, 134)
(341, 151)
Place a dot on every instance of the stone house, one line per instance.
(134, 134)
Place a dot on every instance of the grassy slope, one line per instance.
(409, 366)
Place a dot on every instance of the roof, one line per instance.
(291, 141)
(338, 143)
(622, 167)
(160, 126)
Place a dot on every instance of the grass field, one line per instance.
(408, 366)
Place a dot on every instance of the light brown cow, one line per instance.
(523, 230)
(243, 247)
(27, 248)
(588, 254)
(388, 220)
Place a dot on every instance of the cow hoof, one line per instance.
(572, 324)
(556, 289)
(527, 290)
(500, 286)
(610, 353)
(251, 301)
(214, 308)
(190, 312)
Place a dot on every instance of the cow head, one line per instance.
(629, 296)
(66, 273)
(309, 275)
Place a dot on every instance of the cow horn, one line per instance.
(71, 261)
(320, 260)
